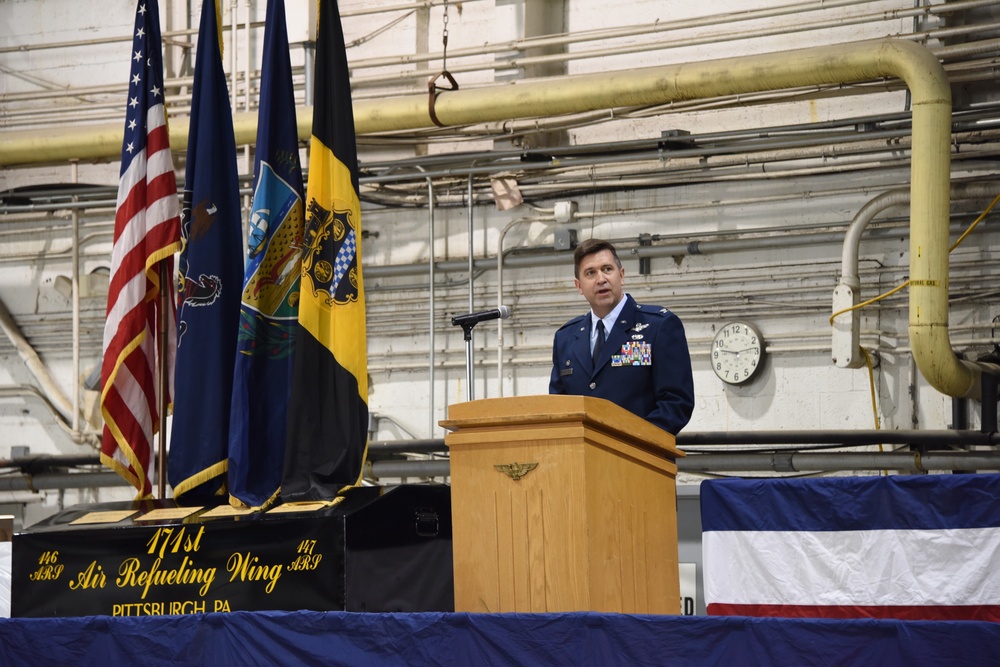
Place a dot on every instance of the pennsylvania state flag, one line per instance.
(328, 409)
(210, 273)
(270, 300)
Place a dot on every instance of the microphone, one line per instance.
(472, 319)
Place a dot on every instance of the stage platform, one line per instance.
(348, 632)
(390, 639)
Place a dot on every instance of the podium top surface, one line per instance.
(549, 409)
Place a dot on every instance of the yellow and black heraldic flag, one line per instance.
(328, 405)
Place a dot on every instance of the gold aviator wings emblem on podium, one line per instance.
(515, 470)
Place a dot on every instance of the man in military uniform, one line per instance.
(633, 355)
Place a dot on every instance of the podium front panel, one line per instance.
(561, 517)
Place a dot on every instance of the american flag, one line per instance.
(147, 234)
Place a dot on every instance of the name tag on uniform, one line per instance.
(565, 371)
(634, 353)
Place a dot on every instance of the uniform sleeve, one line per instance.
(555, 381)
(673, 382)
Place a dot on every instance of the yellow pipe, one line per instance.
(647, 86)
(844, 63)
(930, 197)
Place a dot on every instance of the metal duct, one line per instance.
(52, 393)
(791, 462)
(782, 462)
(846, 333)
(914, 64)
(51, 481)
(385, 462)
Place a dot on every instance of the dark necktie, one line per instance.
(599, 343)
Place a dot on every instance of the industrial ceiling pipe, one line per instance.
(48, 476)
(915, 65)
(908, 462)
(855, 438)
(781, 462)
(53, 481)
(845, 63)
(378, 449)
(846, 330)
(791, 462)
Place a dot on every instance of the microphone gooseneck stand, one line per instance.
(467, 329)
(467, 322)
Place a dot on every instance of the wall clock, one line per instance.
(737, 352)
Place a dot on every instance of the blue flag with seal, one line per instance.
(269, 311)
(210, 273)
(328, 407)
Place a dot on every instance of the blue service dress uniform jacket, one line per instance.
(645, 366)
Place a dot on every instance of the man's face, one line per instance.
(600, 281)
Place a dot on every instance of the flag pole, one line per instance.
(161, 355)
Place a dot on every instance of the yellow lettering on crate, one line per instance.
(246, 567)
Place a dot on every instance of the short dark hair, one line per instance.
(589, 247)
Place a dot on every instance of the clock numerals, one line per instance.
(736, 352)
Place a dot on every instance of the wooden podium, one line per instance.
(562, 503)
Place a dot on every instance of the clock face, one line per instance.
(737, 350)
